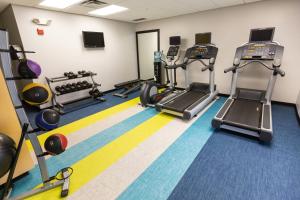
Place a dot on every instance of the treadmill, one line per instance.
(248, 111)
(189, 102)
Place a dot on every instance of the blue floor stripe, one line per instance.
(81, 150)
(232, 166)
(158, 181)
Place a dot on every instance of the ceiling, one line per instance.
(149, 9)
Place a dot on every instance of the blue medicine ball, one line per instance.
(47, 119)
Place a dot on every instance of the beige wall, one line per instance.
(61, 48)
(8, 21)
(230, 28)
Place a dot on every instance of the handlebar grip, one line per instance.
(205, 68)
(229, 69)
(281, 72)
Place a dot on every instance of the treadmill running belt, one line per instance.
(184, 101)
(245, 112)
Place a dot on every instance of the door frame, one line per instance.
(137, 46)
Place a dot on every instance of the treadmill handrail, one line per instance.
(274, 68)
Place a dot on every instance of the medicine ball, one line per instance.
(56, 144)
(7, 153)
(47, 119)
(36, 94)
(29, 69)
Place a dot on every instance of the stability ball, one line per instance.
(36, 94)
(7, 153)
(47, 119)
(56, 144)
(29, 69)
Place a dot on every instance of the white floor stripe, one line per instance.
(97, 127)
(112, 182)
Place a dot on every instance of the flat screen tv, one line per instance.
(174, 40)
(93, 39)
(262, 35)
(203, 38)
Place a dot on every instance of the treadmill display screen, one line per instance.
(203, 38)
(261, 35)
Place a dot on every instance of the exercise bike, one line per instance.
(150, 94)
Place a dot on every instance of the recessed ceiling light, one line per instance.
(61, 4)
(108, 10)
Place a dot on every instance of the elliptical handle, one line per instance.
(280, 72)
(205, 68)
(230, 69)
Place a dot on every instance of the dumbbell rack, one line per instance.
(59, 106)
(6, 64)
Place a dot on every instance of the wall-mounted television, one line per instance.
(175, 40)
(93, 39)
(203, 38)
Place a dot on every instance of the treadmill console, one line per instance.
(173, 51)
(259, 51)
(201, 52)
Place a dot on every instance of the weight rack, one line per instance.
(60, 106)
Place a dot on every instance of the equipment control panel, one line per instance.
(259, 51)
(173, 51)
(201, 52)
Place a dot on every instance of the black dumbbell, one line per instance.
(63, 89)
(95, 93)
(79, 85)
(85, 84)
(73, 87)
(89, 85)
(57, 88)
(81, 72)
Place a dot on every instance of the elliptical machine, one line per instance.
(150, 94)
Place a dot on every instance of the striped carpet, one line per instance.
(129, 152)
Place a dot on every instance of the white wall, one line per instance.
(230, 28)
(61, 48)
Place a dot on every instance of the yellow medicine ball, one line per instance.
(36, 94)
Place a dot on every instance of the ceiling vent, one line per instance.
(92, 3)
(139, 19)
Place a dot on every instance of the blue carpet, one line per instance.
(234, 167)
(158, 181)
(83, 109)
(81, 150)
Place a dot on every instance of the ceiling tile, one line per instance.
(150, 9)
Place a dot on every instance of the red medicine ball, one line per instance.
(56, 144)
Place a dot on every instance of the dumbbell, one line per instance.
(70, 75)
(81, 72)
(95, 93)
(85, 84)
(57, 89)
(63, 89)
(89, 85)
(73, 87)
(79, 85)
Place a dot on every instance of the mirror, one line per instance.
(147, 44)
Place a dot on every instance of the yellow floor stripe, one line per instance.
(91, 166)
(79, 124)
